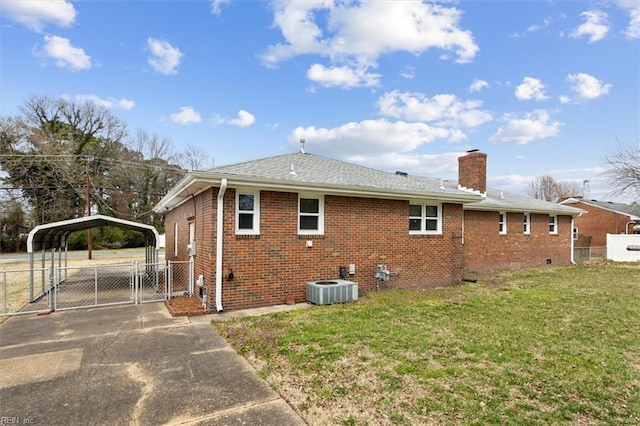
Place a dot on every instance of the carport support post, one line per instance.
(52, 277)
(31, 276)
(42, 265)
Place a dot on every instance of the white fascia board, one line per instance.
(197, 181)
(511, 209)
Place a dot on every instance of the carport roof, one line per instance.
(55, 233)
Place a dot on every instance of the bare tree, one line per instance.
(548, 189)
(193, 158)
(152, 146)
(623, 170)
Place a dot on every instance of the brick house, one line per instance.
(602, 218)
(262, 229)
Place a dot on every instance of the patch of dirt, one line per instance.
(185, 306)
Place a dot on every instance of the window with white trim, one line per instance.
(526, 224)
(247, 212)
(310, 214)
(553, 224)
(502, 223)
(425, 218)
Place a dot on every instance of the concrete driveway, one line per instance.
(132, 364)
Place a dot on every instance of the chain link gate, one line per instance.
(180, 278)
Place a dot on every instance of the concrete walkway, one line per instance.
(131, 364)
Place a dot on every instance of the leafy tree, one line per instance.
(65, 158)
(12, 229)
(48, 153)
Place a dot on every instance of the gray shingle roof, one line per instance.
(303, 171)
(314, 170)
(507, 201)
(629, 209)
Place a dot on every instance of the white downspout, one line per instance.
(219, 237)
(573, 261)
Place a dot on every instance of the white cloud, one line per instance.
(342, 77)
(216, 6)
(66, 55)
(374, 137)
(478, 85)
(110, 103)
(186, 115)
(530, 88)
(357, 34)
(587, 86)
(408, 73)
(414, 164)
(596, 26)
(243, 119)
(532, 126)
(564, 99)
(164, 57)
(35, 14)
(536, 27)
(632, 7)
(517, 184)
(443, 109)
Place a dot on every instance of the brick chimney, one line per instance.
(472, 171)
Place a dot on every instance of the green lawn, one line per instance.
(553, 345)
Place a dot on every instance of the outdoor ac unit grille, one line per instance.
(331, 291)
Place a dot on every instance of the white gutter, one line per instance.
(219, 237)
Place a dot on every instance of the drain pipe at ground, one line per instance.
(219, 237)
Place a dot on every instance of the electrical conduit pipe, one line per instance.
(219, 237)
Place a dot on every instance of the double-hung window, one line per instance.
(553, 224)
(526, 224)
(502, 223)
(310, 214)
(425, 218)
(247, 212)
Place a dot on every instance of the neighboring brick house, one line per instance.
(294, 218)
(602, 218)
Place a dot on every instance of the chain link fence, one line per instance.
(60, 288)
(583, 254)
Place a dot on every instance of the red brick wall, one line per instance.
(269, 267)
(598, 222)
(366, 232)
(485, 249)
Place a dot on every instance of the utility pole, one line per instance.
(89, 235)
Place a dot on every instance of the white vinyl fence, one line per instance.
(623, 248)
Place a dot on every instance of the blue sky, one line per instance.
(543, 87)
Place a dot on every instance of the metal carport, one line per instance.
(53, 237)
